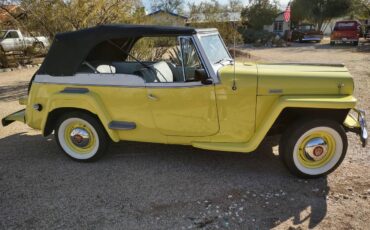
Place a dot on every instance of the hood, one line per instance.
(307, 79)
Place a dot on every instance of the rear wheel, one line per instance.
(332, 43)
(313, 148)
(81, 136)
(355, 43)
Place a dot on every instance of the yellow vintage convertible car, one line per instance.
(179, 85)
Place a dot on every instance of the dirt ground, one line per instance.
(151, 186)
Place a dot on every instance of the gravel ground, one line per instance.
(151, 186)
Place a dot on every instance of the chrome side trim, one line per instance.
(93, 79)
(173, 84)
(122, 125)
(107, 85)
(88, 80)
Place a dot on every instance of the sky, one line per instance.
(147, 3)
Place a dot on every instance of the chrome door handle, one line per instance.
(152, 97)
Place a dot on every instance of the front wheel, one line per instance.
(313, 148)
(81, 136)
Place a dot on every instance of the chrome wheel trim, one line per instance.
(80, 137)
(69, 150)
(316, 148)
(337, 153)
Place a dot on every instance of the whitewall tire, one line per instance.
(81, 136)
(313, 148)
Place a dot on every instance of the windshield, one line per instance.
(2, 33)
(214, 48)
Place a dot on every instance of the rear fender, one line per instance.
(86, 100)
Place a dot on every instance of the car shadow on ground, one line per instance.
(13, 92)
(153, 185)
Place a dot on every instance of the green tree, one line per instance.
(53, 16)
(212, 14)
(235, 5)
(174, 6)
(319, 11)
(260, 13)
(361, 8)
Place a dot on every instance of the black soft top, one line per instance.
(70, 49)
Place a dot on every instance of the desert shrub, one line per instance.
(152, 48)
(256, 36)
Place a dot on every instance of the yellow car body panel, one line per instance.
(214, 117)
(335, 102)
(51, 97)
(303, 80)
(236, 108)
(351, 122)
(184, 111)
(108, 103)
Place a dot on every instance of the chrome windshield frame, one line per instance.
(211, 67)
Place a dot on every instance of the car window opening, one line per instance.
(154, 59)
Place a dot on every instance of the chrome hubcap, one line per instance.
(80, 137)
(316, 149)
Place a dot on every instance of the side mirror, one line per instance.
(202, 76)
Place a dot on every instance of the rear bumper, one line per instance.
(341, 40)
(312, 38)
(357, 123)
(17, 116)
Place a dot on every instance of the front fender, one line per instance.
(89, 101)
(319, 102)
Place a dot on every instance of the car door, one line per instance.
(122, 96)
(187, 107)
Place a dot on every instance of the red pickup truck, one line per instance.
(346, 32)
